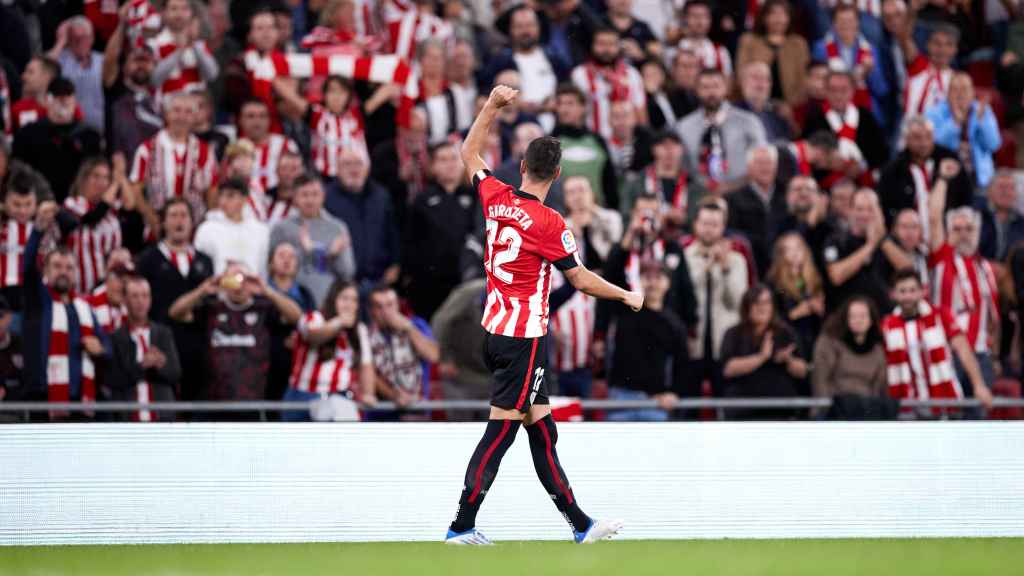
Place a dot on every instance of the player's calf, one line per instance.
(483, 467)
(543, 437)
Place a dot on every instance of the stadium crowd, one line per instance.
(264, 200)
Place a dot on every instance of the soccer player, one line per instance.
(524, 239)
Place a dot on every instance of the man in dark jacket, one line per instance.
(144, 365)
(174, 267)
(366, 208)
(911, 175)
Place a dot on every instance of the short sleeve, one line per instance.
(365, 354)
(309, 321)
(558, 245)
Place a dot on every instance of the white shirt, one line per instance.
(226, 241)
(537, 78)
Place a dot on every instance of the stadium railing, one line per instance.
(719, 405)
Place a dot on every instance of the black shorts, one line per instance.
(518, 366)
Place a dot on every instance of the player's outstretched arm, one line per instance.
(593, 285)
(472, 147)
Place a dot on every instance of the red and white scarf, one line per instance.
(926, 85)
(92, 244)
(262, 69)
(181, 259)
(604, 85)
(331, 133)
(652, 184)
(918, 357)
(13, 237)
(922, 175)
(799, 151)
(711, 55)
(143, 389)
(58, 360)
(171, 170)
(862, 51)
(966, 287)
(108, 317)
(406, 33)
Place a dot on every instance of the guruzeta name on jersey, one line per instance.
(511, 213)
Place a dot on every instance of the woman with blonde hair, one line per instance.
(799, 294)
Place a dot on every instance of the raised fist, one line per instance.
(502, 96)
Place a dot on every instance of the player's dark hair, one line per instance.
(542, 158)
(904, 274)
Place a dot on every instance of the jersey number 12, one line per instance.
(510, 240)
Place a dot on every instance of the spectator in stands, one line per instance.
(606, 77)
(719, 278)
(35, 82)
(19, 209)
(630, 142)
(717, 136)
(928, 77)
(174, 267)
(964, 282)
(760, 356)
(847, 50)
(667, 180)
(597, 229)
(571, 334)
(61, 340)
(281, 198)
(967, 125)
(446, 213)
(917, 325)
(236, 310)
(908, 234)
(584, 153)
(430, 57)
(461, 94)
(840, 200)
(696, 28)
(912, 175)
(1002, 224)
(144, 365)
(333, 354)
(646, 343)
(403, 349)
(367, 211)
(255, 124)
(284, 267)
(756, 209)
(892, 63)
(82, 66)
(815, 91)
(807, 213)
(538, 65)
(682, 92)
(321, 241)
(855, 258)
(638, 40)
(799, 292)
(400, 164)
(12, 359)
(570, 24)
(184, 61)
(134, 113)
(660, 111)
(108, 299)
(772, 41)
(849, 359)
(156, 170)
(862, 146)
(205, 123)
(508, 171)
(815, 154)
(456, 326)
(756, 97)
(226, 236)
(56, 145)
(98, 216)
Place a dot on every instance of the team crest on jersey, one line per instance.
(251, 318)
(568, 241)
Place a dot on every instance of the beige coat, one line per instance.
(838, 370)
(726, 292)
(793, 59)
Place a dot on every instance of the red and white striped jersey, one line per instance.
(268, 156)
(572, 329)
(966, 287)
(711, 55)
(142, 15)
(185, 77)
(108, 317)
(926, 86)
(143, 389)
(92, 244)
(406, 33)
(524, 238)
(332, 133)
(604, 85)
(340, 372)
(171, 169)
(13, 237)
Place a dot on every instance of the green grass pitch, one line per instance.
(931, 557)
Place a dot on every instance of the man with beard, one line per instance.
(607, 78)
(174, 267)
(855, 258)
(718, 135)
(61, 337)
(538, 67)
(133, 114)
(964, 282)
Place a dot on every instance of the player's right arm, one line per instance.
(473, 146)
(593, 285)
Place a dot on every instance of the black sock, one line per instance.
(543, 437)
(483, 467)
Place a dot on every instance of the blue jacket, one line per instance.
(982, 135)
(370, 218)
(878, 86)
